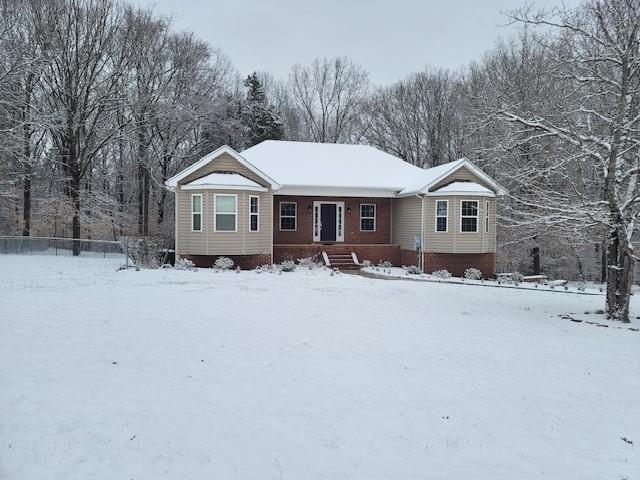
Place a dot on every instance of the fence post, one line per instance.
(126, 252)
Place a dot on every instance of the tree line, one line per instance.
(100, 102)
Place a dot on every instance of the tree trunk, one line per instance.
(74, 193)
(26, 204)
(619, 278)
(535, 254)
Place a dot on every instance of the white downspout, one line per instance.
(422, 200)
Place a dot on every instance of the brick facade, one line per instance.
(374, 253)
(409, 257)
(352, 234)
(245, 262)
(457, 263)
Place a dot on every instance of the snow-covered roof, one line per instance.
(457, 188)
(225, 181)
(306, 168)
(306, 164)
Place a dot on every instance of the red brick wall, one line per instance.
(243, 261)
(409, 257)
(457, 263)
(352, 233)
(374, 253)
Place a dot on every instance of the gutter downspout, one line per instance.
(422, 199)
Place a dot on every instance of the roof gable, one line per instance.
(211, 157)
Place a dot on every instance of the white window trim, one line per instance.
(215, 213)
(199, 213)
(375, 217)
(257, 214)
(340, 220)
(295, 217)
(487, 206)
(476, 216)
(446, 217)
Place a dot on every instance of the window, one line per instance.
(254, 203)
(469, 216)
(226, 217)
(196, 212)
(486, 218)
(367, 217)
(288, 215)
(442, 212)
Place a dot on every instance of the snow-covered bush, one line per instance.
(184, 264)
(366, 263)
(145, 252)
(264, 269)
(412, 270)
(223, 263)
(473, 274)
(516, 278)
(287, 266)
(385, 264)
(311, 262)
(444, 274)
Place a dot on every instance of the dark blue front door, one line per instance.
(328, 222)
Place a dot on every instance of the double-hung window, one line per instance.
(196, 212)
(469, 216)
(442, 215)
(254, 205)
(288, 215)
(226, 215)
(367, 217)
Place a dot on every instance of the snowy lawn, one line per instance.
(304, 375)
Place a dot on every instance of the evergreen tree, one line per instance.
(259, 117)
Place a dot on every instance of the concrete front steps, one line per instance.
(341, 261)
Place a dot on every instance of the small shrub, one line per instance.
(145, 252)
(516, 278)
(311, 262)
(223, 263)
(184, 264)
(238, 269)
(366, 263)
(287, 266)
(412, 270)
(582, 287)
(385, 264)
(444, 274)
(473, 274)
(264, 269)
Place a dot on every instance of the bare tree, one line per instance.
(328, 96)
(418, 119)
(597, 120)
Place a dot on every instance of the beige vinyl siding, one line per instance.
(455, 241)
(462, 174)
(224, 163)
(405, 221)
(209, 242)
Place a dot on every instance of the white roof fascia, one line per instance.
(224, 187)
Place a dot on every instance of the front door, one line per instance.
(328, 222)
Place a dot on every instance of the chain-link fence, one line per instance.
(65, 247)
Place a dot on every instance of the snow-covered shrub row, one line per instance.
(444, 274)
(473, 274)
(287, 266)
(223, 263)
(385, 264)
(366, 263)
(412, 270)
(184, 264)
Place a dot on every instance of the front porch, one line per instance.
(372, 252)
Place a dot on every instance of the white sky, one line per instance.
(390, 38)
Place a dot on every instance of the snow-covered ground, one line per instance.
(109, 374)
